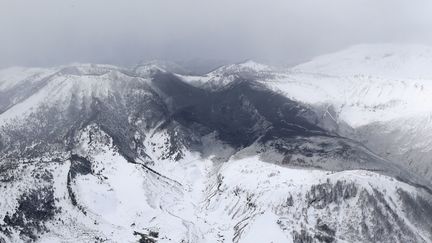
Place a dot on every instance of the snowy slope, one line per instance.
(358, 100)
(382, 91)
(365, 83)
(202, 200)
(390, 61)
(225, 75)
(62, 86)
(16, 75)
(98, 153)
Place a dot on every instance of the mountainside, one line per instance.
(381, 91)
(378, 95)
(246, 153)
(391, 61)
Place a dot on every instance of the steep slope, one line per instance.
(383, 92)
(16, 84)
(376, 94)
(100, 153)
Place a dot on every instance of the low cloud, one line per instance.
(52, 32)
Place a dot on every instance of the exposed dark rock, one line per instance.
(324, 233)
(302, 237)
(322, 195)
(240, 114)
(380, 222)
(34, 209)
(79, 165)
(418, 210)
(147, 238)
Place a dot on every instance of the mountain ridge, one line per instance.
(100, 153)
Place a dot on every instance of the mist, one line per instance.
(52, 32)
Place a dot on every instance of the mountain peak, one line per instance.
(253, 65)
(149, 67)
(246, 67)
(84, 69)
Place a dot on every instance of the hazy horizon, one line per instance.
(208, 33)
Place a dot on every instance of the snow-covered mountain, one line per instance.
(376, 94)
(246, 153)
(383, 92)
(391, 61)
(158, 65)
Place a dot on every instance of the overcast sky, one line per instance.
(124, 32)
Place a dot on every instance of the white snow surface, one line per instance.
(16, 75)
(391, 61)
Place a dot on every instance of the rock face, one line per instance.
(95, 153)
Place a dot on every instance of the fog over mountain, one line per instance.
(51, 32)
